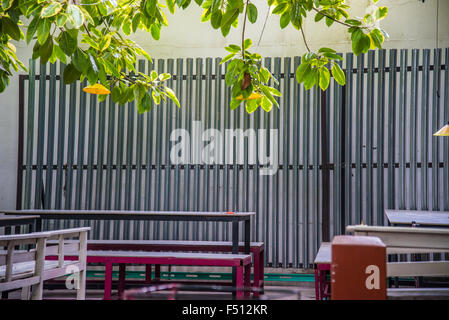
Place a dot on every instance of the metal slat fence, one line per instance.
(379, 152)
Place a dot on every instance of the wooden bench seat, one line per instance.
(242, 263)
(256, 248)
(23, 269)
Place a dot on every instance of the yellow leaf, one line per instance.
(96, 89)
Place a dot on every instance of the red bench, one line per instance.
(242, 263)
(256, 248)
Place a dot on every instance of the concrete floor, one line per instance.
(272, 292)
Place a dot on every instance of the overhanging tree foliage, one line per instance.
(91, 38)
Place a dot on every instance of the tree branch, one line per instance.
(327, 16)
(243, 31)
(304, 37)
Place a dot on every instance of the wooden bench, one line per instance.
(399, 240)
(403, 240)
(242, 263)
(22, 269)
(256, 248)
(322, 265)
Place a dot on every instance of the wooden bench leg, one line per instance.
(260, 274)
(239, 282)
(256, 275)
(317, 284)
(108, 281)
(148, 274)
(157, 272)
(81, 292)
(247, 279)
(121, 279)
(25, 295)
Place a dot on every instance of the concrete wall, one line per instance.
(410, 24)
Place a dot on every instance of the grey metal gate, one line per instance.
(344, 155)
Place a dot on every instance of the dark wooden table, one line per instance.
(33, 221)
(233, 217)
(418, 218)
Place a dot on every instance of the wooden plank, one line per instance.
(418, 293)
(324, 255)
(181, 255)
(407, 217)
(406, 237)
(166, 242)
(400, 250)
(19, 256)
(20, 283)
(129, 212)
(418, 269)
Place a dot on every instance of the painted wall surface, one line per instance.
(410, 24)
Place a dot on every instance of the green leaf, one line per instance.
(59, 54)
(329, 21)
(32, 28)
(51, 9)
(274, 92)
(227, 58)
(247, 44)
(353, 22)
(324, 49)
(61, 20)
(266, 104)
(155, 31)
(225, 30)
(75, 15)
(362, 44)
(43, 30)
(381, 13)
(333, 56)
(92, 76)
(285, 19)
(252, 13)
(265, 74)
(268, 94)
(11, 28)
(171, 6)
(105, 42)
(80, 61)
(164, 76)
(295, 14)
(172, 96)
(302, 71)
(215, 19)
(235, 103)
(280, 8)
(229, 17)
(318, 17)
(6, 4)
(136, 21)
(311, 78)
(156, 97)
(67, 43)
(153, 75)
(377, 37)
(115, 94)
(368, 19)
(45, 50)
(251, 106)
(233, 48)
(324, 78)
(126, 27)
(338, 74)
(71, 74)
